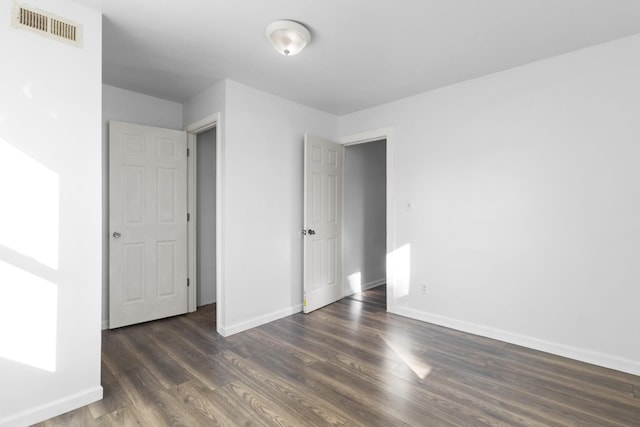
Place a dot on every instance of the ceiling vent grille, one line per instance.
(47, 24)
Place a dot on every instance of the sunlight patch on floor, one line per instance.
(419, 367)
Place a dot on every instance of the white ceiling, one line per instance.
(363, 52)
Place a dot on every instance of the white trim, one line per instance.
(373, 284)
(370, 136)
(105, 324)
(221, 304)
(202, 125)
(192, 208)
(259, 321)
(365, 287)
(588, 356)
(364, 137)
(52, 409)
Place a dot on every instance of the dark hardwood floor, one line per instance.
(350, 363)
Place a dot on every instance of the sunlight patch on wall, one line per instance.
(26, 89)
(28, 336)
(30, 214)
(399, 268)
(355, 282)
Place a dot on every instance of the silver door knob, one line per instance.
(116, 234)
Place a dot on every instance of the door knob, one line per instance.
(311, 232)
(116, 234)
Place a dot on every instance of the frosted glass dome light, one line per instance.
(287, 37)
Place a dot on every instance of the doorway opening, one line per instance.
(205, 217)
(365, 220)
(388, 296)
(204, 226)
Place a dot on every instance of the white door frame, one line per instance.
(371, 136)
(209, 122)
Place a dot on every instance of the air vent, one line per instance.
(34, 20)
(64, 29)
(47, 24)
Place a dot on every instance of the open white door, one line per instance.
(147, 223)
(323, 174)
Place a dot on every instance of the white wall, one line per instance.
(261, 190)
(263, 203)
(206, 217)
(365, 202)
(50, 220)
(210, 101)
(127, 106)
(525, 191)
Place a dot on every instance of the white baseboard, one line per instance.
(348, 291)
(258, 321)
(588, 356)
(52, 409)
(207, 301)
(373, 284)
(261, 320)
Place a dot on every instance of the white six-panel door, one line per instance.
(323, 175)
(147, 223)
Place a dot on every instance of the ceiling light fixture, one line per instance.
(287, 37)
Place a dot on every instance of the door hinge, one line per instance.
(187, 282)
(188, 217)
(188, 152)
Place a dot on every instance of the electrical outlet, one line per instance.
(423, 286)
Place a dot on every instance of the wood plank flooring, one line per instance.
(348, 364)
